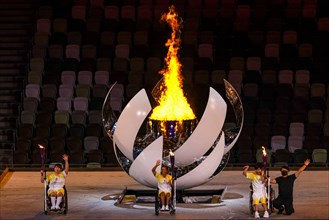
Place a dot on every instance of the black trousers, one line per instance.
(286, 203)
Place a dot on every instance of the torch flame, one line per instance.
(173, 104)
(40, 146)
(171, 153)
(264, 151)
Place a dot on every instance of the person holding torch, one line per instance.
(56, 182)
(164, 184)
(258, 181)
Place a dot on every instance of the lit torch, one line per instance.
(265, 165)
(264, 158)
(173, 182)
(42, 151)
(266, 173)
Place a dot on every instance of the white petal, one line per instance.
(206, 132)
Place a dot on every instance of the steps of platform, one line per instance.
(17, 52)
(8, 66)
(15, 26)
(7, 111)
(13, 72)
(17, 23)
(17, 32)
(12, 58)
(10, 5)
(18, 18)
(12, 39)
(13, 45)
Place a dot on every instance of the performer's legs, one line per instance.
(264, 204)
(162, 199)
(289, 207)
(52, 194)
(255, 203)
(167, 200)
(60, 194)
(278, 204)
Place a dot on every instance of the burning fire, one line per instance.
(173, 105)
(40, 146)
(264, 151)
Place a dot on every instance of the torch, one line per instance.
(267, 174)
(264, 160)
(42, 151)
(173, 182)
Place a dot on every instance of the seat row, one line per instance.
(150, 12)
(191, 3)
(304, 46)
(275, 142)
(281, 157)
(89, 149)
(203, 62)
(52, 134)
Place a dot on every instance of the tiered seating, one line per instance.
(271, 51)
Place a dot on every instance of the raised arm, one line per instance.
(66, 159)
(155, 166)
(302, 168)
(245, 170)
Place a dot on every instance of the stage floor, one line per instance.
(21, 197)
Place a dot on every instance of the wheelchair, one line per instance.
(47, 202)
(269, 200)
(172, 205)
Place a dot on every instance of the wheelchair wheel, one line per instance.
(172, 208)
(65, 202)
(46, 205)
(157, 203)
(157, 208)
(251, 206)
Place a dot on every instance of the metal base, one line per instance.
(182, 196)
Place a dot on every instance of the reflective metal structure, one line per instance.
(201, 147)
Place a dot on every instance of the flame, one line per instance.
(171, 153)
(40, 146)
(173, 104)
(264, 151)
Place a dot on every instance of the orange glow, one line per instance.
(40, 146)
(173, 104)
(264, 151)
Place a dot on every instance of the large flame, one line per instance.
(173, 104)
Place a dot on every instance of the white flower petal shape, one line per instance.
(129, 122)
(235, 100)
(141, 168)
(202, 173)
(206, 132)
(205, 135)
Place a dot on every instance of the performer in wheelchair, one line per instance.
(164, 185)
(258, 182)
(56, 183)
